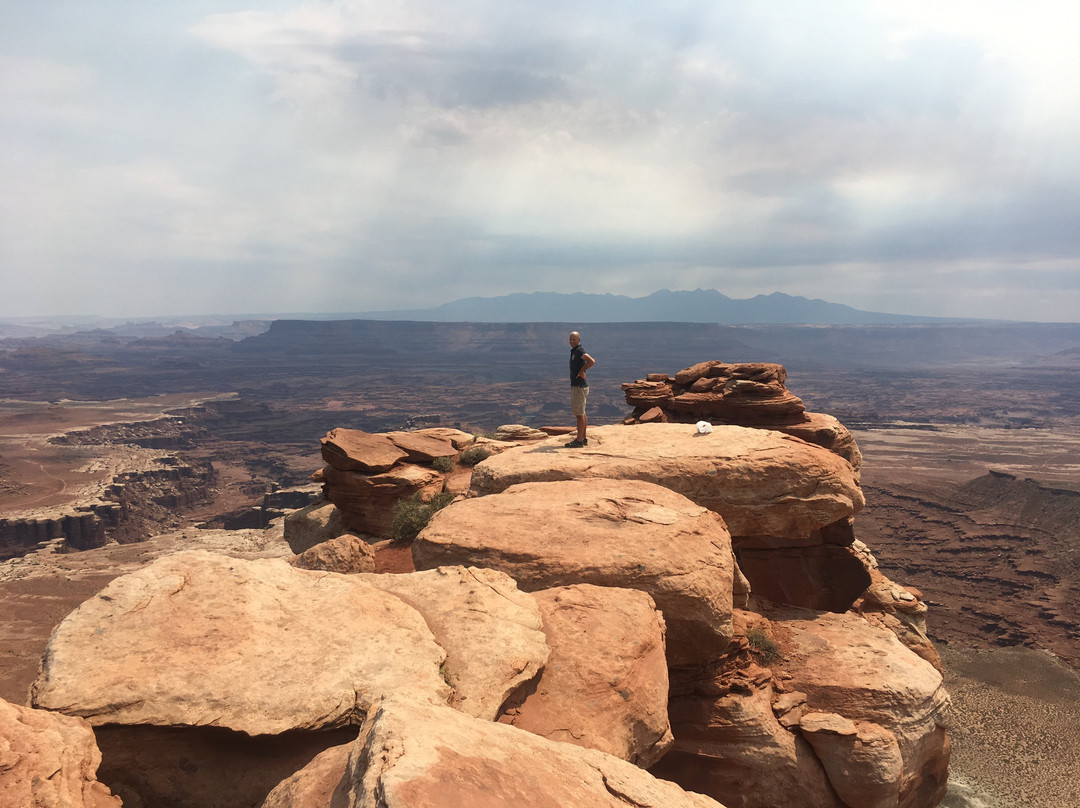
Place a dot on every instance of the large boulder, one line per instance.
(410, 754)
(49, 760)
(313, 524)
(862, 672)
(619, 533)
(491, 632)
(605, 685)
(347, 554)
(197, 639)
(862, 759)
(760, 481)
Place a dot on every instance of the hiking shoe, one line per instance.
(577, 444)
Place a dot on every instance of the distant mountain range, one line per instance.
(698, 306)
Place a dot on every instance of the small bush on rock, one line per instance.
(443, 464)
(763, 646)
(473, 455)
(412, 515)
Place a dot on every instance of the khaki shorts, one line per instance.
(577, 399)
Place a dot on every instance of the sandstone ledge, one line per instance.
(761, 482)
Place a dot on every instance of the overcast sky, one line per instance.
(219, 156)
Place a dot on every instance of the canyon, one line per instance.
(970, 437)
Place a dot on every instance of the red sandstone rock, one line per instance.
(421, 448)
(366, 501)
(621, 533)
(730, 745)
(356, 450)
(847, 666)
(311, 525)
(320, 784)
(347, 554)
(862, 759)
(410, 754)
(48, 760)
(761, 482)
(607, 652)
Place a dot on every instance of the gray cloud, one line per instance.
(221, 157)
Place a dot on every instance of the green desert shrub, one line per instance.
(443, 464)
(412, 515)
(473, 455)
(763, 646)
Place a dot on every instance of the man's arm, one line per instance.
(588, 363)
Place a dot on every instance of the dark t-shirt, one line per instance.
(577, 362)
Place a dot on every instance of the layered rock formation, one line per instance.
(743, 394)
(120, 509)
(367, 473)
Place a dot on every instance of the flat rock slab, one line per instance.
(491, 631)
(760, 481)
(606, 684)
(198, 639)
(412, 754)
(356, 450)
(422, 448)
(619, 533)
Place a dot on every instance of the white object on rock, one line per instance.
(704, 427)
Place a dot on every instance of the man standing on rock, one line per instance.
(579, 388)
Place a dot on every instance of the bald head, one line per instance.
(575, 339)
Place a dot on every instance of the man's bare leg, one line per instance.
(582, 423)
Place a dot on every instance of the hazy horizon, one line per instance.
(288, 156)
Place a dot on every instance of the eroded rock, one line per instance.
(254, 646)
(491, 631)
(760, 481)
(412, 754)
(348, 554)
(356, 450)
(621, 533)
(605, 685)
(862, 672)
(49, 760)
(313, 524)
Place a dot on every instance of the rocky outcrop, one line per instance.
(607, 652)
(411, 754)
(847, 666)
(787, 503)
(811, 710)
(49, 760)
(720, 392)
(760, 482)
(278, 663)
(742, 394)
(621, 533)
(367, 474)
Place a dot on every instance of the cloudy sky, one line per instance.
(220, 156)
